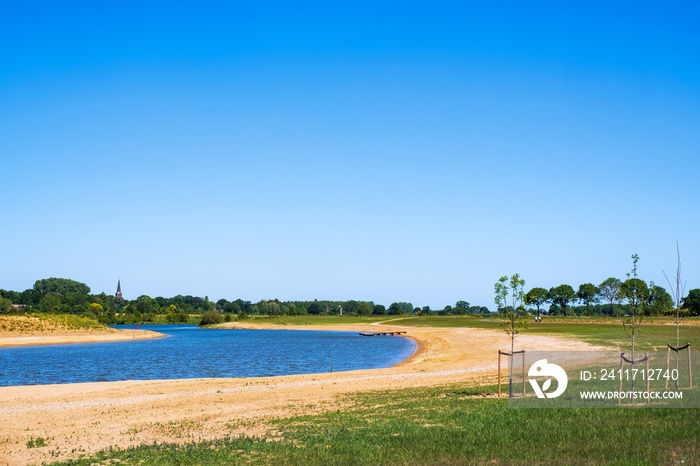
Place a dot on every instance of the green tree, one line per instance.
(350, 307)
(221, 304)
(60, 286)
(407, 308)
(610, 291)
(96, 309)
(364, 309)
(587, 294)
(30, 297)
(379, 310)
(211, 318)
(511, 321)
(270, 308)
(315, 308)
(50, 303)
(660, 302)
(561, 296)
(536, 297)
(5, 305)
(636, 292)
(231, 308)
(461, 308)
(145, 304)
(692, 302)
(395, 309)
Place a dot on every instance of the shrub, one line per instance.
(210, 318)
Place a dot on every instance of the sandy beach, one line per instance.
(83, 418)
(82, 337)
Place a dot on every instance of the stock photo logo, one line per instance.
(542, 368)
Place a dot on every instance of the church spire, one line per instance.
(119, 288)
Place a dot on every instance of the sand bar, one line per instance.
(85, 337)
(84, 418)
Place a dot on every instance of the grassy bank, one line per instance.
(48, 323)
(445, 425)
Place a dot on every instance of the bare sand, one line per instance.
(84, 337)
(84, 418)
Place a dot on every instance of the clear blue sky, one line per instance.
(299, 150)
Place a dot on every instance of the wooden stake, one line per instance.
(690, 369)
(646, 355)
(499, 373)
(668, 363)
(523, 373)
(619, 399)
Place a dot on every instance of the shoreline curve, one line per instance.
(87, 417)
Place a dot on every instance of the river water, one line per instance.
(190, 352)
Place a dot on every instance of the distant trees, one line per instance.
(231, 308)
(60, 286)
(400, 309)
(692, 302)
(270, 308)
(587, 294)
(461, 308)
(5, 304)
(660, 302)
(315, 308)
(610, 291)
(536, 297)
(561, 295)
(351, 307)
(50, 303)
(364, 309)
(69, 296)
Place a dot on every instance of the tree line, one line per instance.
(611, 298)
(60, 295)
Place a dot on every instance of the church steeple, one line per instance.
(119, 288)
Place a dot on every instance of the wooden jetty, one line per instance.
(376, 334)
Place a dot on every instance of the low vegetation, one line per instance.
(48, 323)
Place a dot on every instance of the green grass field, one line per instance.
(456, 424)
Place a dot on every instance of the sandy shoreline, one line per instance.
(84, 418)
(76, 337)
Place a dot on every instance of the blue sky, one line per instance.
(411, 152)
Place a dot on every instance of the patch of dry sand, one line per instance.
(85, 337)
(84, 418)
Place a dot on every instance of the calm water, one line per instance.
(191, 352)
